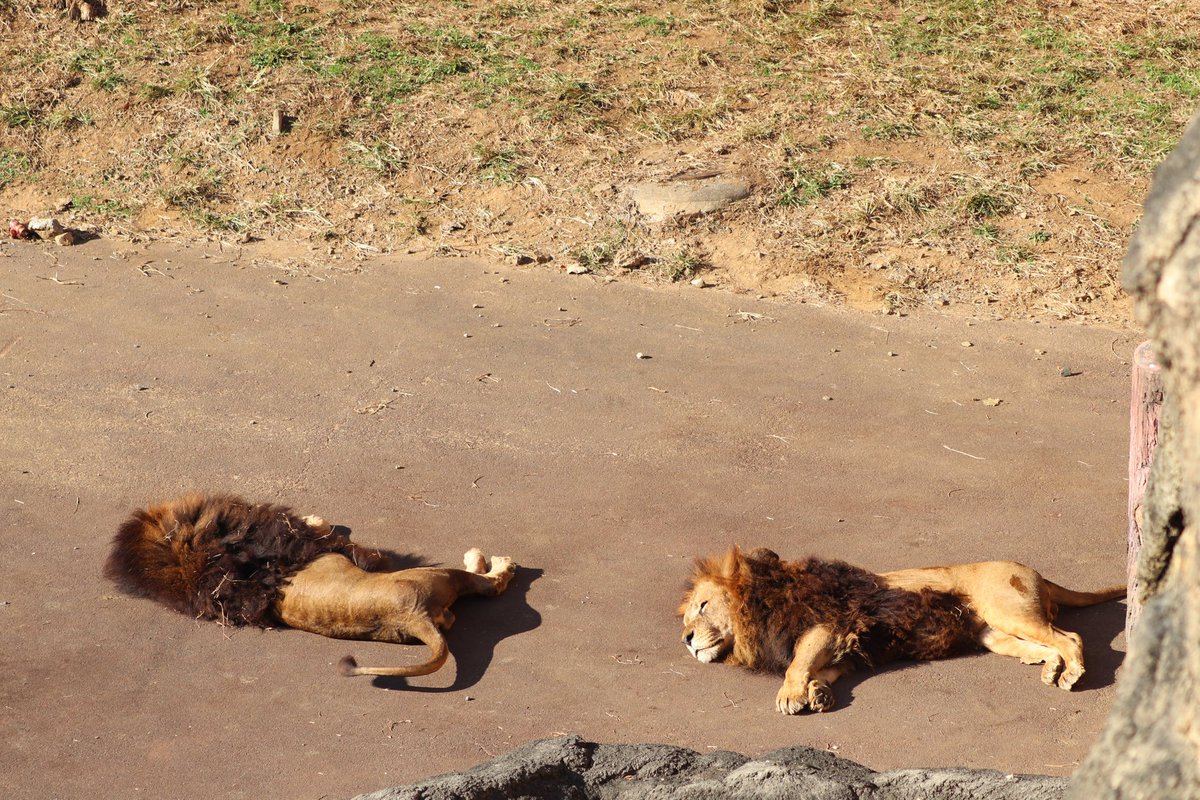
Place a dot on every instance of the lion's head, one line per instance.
(707, 621)
(710, 632)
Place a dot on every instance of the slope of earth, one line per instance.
(433, 406)
(974, 153)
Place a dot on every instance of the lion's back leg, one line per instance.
(1019, 616)
(488, 576)
(1028, 652)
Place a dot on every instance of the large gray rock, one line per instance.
(1150, 746)
(573, 769)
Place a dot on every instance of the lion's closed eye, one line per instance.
(701, 609)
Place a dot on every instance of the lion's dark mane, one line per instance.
(219, 557)
(774, 602)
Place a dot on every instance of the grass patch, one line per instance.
(13, 164)
(803, 183)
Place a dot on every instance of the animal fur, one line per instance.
(219, 557)
(872, 622)
(815, 620)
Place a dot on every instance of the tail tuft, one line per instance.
(348, 666)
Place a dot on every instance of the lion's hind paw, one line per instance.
(475, 561)
(502, 572)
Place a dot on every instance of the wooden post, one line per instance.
(1144, 408)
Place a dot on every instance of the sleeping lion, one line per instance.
(218, 557)
(816, 620)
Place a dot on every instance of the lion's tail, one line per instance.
(429, 635)
(1074, 599)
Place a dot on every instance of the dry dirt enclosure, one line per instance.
(435, 406)
(972, 153)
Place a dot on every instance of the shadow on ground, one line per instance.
(1099, 626)
(481, 623)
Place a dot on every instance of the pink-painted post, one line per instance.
(1144, 408)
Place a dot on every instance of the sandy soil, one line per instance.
(430, 407)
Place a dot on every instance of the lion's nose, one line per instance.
(688, 639)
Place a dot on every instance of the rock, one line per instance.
(45, 225)
(659, 202)
(1150, 747)
(577, 269)
(569, 767)
(66, 239)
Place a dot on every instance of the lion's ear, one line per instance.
(733, 563)
(763, 554)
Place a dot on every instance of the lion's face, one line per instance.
(707, 625)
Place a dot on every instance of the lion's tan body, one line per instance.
(1003, 606)
(333, 597)
(218, 557)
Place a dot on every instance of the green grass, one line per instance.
(14, 164)
(803, 183)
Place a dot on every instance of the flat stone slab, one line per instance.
(569, 767)
(659, 202)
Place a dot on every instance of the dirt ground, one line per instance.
(433, 406)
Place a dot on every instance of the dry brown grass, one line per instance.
(902, 151)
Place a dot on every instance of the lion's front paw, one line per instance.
(791, 701)
(820, 695)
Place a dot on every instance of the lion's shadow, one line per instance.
(1100, 626)
(481, 623)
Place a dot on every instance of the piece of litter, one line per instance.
(577, 269)
(992, 401)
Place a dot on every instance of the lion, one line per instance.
(219, 557)
(816, 620)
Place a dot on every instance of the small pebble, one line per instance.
(466, 336)
(477, 305)
(968, 344)
(469, 698)
(826, 397)
(642, 355)
(891, 354)
(1066, 372)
